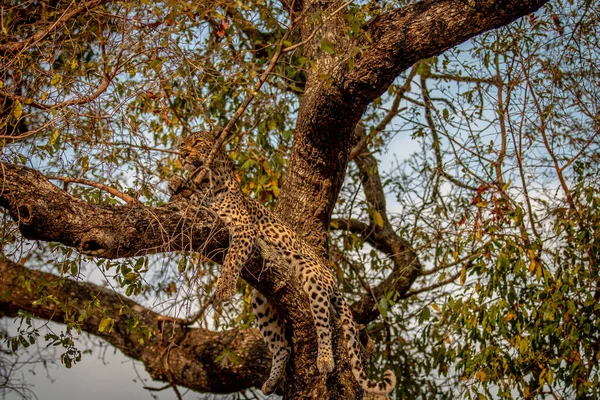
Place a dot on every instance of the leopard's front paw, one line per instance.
(269, 387)
(325, 363)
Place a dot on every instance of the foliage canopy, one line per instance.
(498, 195)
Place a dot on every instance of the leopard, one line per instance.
(252, 227)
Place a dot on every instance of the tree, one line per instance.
(481, 282)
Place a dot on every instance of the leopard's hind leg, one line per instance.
(271, 327)
(318, 285)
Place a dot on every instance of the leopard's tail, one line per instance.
(351, 337)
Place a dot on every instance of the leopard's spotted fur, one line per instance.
(253, 226)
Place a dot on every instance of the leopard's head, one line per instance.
(195, 149)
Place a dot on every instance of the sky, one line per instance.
(103, 374)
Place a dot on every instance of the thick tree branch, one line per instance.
(175, 354)
(331, 108)
(48, 213)
(399, 38)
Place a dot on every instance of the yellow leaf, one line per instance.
(481, 376)
(266, 165)
(106, 321)
(54, 137)
(510, 316)
(56, 79)
(532, 265)
(463, 275)
(18, 109)
(85, 163)
(435, 307)
(377, 219)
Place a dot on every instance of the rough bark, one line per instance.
(48, 213)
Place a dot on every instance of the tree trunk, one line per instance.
(329, 112)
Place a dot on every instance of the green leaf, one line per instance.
(66, 360)
(382, 306)
(74, 269)
(424, 316)
(328, 46)
(139, 264)
(182, 264)
(326, 78)
(249, 163)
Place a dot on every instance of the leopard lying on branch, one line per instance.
(252, 227)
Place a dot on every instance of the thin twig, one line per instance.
(19, 46)
(317, 29)
(126, 198)
(143, 147)
(191, 319)
(201, 172)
